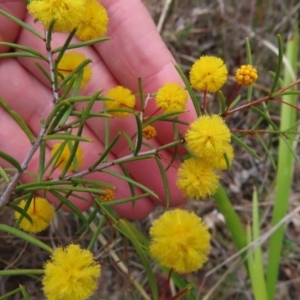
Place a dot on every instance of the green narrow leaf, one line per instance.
(48, 34)
(70, 205)
(265, 117)
(9, 294)
(223, 102)
(89, 106)
(245, 146)
(132, 199)
(127, 174)
(269, 154)
(18, 54)
(25, 236)
(96, 233)
(56, 120)
(286, 93)
(176, 136)
(139, 139)
(249, 59)
(163, 117)
(129, 141)
(104, 154)
(41, 184)
(190, 90)
(67, 89)
(248, 51)
(4, 175)
(17, 118)
(279, 64)
(73, 146)
(235, 102)
(24, 292)
(65, 137)
(64, 47)
(92, 216)
(75, 72)
(56, 109)
(42, 69)
(140, 250)
(11, 160)
(83, 44)
(23, 212)
(164, 179)
(42, 156)
(127, 179)
(21, 23)
(21, 272)
(92, 182)
(141, 94)
(24, 48)
(78, 81)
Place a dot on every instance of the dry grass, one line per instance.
(192, 28)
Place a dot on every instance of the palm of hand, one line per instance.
(135, 49)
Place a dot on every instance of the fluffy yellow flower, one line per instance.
(149, 132)
(219, 162)
(41, 213)
(70, 61)
(208, 136)
(94, 21)
(180, 240)
(71, 274)
(171, 97)
(67, 13)
(246, 75)
(208, 74)
(122, 98)
(65, 154)
(108, 196)
(197, 179)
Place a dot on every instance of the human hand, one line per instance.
(135, 50)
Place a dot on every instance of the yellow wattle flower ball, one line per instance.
(196, 179)
(149, 132)
(41, 213)
(208, 74)
(70, 274)
(108, 196)
(67, 13)
(208, 136)
(246, 75)
(70, 61)
(64, 155)
(180, 240)
(94, 21)
(121, 98)
(171, 97)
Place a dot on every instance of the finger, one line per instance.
(137, 50)
(9, 30)
(39, 97)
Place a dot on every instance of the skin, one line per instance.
(135, 49)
